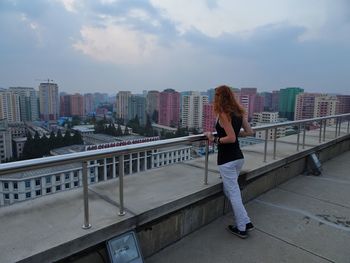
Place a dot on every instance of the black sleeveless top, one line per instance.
(228, 152)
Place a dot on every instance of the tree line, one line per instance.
(36, 147)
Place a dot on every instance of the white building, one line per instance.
(264, 118)
(49, 101)
(9, 106)
(122, 101)
(192, 110)
(28, 103)
(28, 185)
(5, 142)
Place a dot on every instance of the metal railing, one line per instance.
(85, 157)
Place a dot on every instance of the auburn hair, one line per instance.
(225, 102)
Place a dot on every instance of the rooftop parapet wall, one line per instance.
(53, 224)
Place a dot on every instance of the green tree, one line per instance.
(67, 139)
(59, 139)
(28, 147)
(77, 138)
(119, 130)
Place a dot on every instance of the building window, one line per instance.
(76, 173)
(15, 196)
(67, 186)
(48, 190)
(27, 183)
(6, 185)
(66, 176)
(76, 184)
(38, 192)
(28, 195)
(58, 188)
(37, 182)
(92, 170)
(58, 178)
(15, 185)
(48, 179)
(6, 196)
(92, 179)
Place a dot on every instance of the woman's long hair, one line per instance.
(225, 102)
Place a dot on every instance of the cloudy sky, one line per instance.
(113, 45)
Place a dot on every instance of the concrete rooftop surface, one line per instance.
(306, 219)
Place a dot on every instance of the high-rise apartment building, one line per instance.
(28, 103)
(49, 101)
(5, 142)
(192, 110)
(137, 106)
(305, 105)
(77, 105)
(89, 106)
(65, 102)
(122, 101)
(247, 99)
(169, 108)
(267, 100)
(9, 106)
(325, 106)
(153, 104)
(343, 104)
(313, 105)
(209, 117)
(275, 100)
(286, 104)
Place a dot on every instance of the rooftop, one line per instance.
(304, 219)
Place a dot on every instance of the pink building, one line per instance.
(77, 105)
(209, 118)
(247, 97)
(72, 105)
(65, 105)
(169, 108)
(343, 104)
(305, 105)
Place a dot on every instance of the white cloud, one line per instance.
(70, 5)
(116, 44)
(237, 17)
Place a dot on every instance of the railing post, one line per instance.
(339, 126)
(304, 133)
(320, 133)
(86, 224)
(298, 137)
(206, 161)
(348, 126)
(336, 127)
(274, 143)
(265, 146)
(121, 186)
(324, 130)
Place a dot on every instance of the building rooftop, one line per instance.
(305, 219)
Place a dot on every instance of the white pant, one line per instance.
(229, 174)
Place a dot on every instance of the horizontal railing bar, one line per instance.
(39, 163)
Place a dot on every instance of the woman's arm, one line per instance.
(227, 125)
(247, 130)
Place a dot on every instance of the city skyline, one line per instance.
(110, 46)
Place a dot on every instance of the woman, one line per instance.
(230, 158)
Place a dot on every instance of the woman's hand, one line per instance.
(210, 136)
